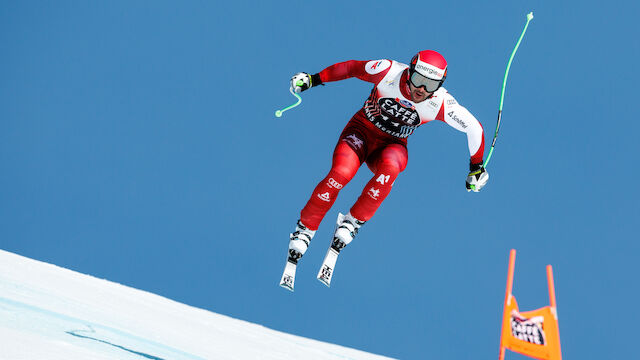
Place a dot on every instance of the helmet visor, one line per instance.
(429, 84)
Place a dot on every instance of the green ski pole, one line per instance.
(504, 85)
(279, 112)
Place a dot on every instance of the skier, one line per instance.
(403, 98)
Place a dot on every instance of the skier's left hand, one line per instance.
(477, 177)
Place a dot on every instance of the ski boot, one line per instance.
(346, 229)
(298, 243)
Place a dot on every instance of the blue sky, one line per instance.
(138, 144)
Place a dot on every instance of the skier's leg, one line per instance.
(345, 164)
(386, 164)
(348, 155)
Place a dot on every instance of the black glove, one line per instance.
(302, 81)
(477, 177)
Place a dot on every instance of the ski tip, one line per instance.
(283, 285)
(325, 281)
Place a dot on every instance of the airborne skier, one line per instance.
(403, 98)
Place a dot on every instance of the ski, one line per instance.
(289, 273)
(288, 276)
(328, 265)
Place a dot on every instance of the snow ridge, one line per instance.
(50, 312)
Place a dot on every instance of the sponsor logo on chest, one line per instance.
(400, 111)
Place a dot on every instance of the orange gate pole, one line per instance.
(507, 297)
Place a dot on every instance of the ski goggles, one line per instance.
(430, 85)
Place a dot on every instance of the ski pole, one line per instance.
(279, 112)
(504, 85)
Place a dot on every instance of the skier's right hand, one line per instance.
(302, 81)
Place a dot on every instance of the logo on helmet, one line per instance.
(429, 71)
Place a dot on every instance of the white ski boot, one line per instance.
(346, 229)
(298, 243)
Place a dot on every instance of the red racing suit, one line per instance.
(377, 134)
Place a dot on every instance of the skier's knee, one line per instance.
(341, 174)
(389, 168)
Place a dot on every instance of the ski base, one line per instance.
(288, 276)
(326, 270)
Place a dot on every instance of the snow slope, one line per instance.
(47, 312)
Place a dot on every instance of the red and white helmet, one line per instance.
(428, 69)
